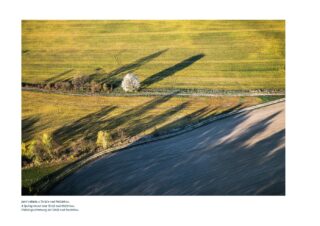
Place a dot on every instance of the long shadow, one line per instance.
(153, 121)
(58, 77)
(89, 125)
(171, 70)
(131, 114)
(29, 128)
(205, 161)
(200, 115)
(111, 76)
(82, 127)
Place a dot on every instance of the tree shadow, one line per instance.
(140, 110)
(83, 127)
(89, 125)
(171, 70)
(195, 117)
(111, 77)
(29, 128)
(153, 121)
(57, 78)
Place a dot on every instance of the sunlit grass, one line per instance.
(55, 111)
(238, 55)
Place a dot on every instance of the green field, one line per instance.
(219, 55)
(32, 175)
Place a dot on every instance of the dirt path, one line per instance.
(216, 93)
(240, 155)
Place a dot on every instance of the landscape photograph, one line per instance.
(153, 107)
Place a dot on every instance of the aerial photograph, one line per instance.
(153, 107)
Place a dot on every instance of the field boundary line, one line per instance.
(44, 186)
(176, 93)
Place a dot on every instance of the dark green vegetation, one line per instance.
(32, 175)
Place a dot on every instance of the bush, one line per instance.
(46, 141)
(39, 150)
(103, 139)
(120, 135)
(81, 147)
(28, 150)
(58, 85)
(105, 87)
(79, 82)
(130, 83)
(86, 86)
(48, 86)
(43, 149)
(40, 86)
(95, 87)
(66, 85)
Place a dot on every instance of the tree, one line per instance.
(46, 141)
(48, 86)
(105, 87)
(66, 85)
(28, 150)
(95, 87)
(58, 85)
(103, 139)
(130, 83)
(43, 149)
(79, 82)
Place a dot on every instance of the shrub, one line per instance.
(38, 151)
(79, 82)
(27, 150)
(66, 85)
(95, 87)
(48, 86)
(46, 141)
(103, 139)
(40, 86)
(81, 147)
(86, 86)
(120, 135)
(105, 87)
(44, 148)
(130, 83)
(58, 85)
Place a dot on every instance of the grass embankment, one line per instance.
(69, 118)
(218, 55)
(33, 175)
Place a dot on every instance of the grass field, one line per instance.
(220, 55)
(32, 175)
(72, 117)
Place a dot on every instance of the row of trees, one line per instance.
(44, 149)
(130, 83)
(78, 84)
(38, 150)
